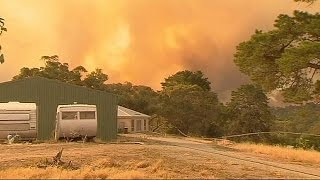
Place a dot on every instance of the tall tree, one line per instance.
(96, 79)
(2, 28)
(248, 110)
(189, 104)
(187, 78)
(191, 109)
(286, 58)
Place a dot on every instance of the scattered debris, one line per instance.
(140, 143)
(57, 162)
(12, 138)
(224, 142)
(74, 137)
(183, 134)
(57, 158)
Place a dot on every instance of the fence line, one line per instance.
(258, 133)
(270, 132)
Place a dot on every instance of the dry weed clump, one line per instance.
(308, 156)
(223, 142)
(157, 166)
(105, 163)
(143, 164)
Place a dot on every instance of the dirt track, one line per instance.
(245, 159)
(175, 158)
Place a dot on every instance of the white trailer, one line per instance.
(76, 120)
(18, 119)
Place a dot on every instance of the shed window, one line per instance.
(87, 115)
(69, 115)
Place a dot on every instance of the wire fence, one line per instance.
(260, 133)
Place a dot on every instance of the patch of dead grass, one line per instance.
(280, 152)
(143, 164)
(83, 173)
(99, 169)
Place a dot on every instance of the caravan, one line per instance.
(18, 119)
(76, 120)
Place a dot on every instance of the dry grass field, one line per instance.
(118, 161)
(128, 161)
(281, 153)
(112, 161)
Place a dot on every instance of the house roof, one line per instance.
(125, 112)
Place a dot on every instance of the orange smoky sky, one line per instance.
(141, 41)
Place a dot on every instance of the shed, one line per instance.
(132, 121)
(48, 94)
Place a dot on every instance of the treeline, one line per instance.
(185, 104)
(305, 118)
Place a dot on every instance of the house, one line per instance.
(132, 121)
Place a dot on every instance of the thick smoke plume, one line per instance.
(140, 41)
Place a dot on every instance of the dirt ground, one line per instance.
(152, 159)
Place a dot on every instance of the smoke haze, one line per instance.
(140, 41)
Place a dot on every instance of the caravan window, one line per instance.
(69, 115)
(87, 115)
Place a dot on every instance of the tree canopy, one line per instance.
(189, 104)
(304, 118)
(191, 109)
(95, 79)
(286, 58)
(2, 29)
(248, 111)
(187, 78)
(54, 69)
